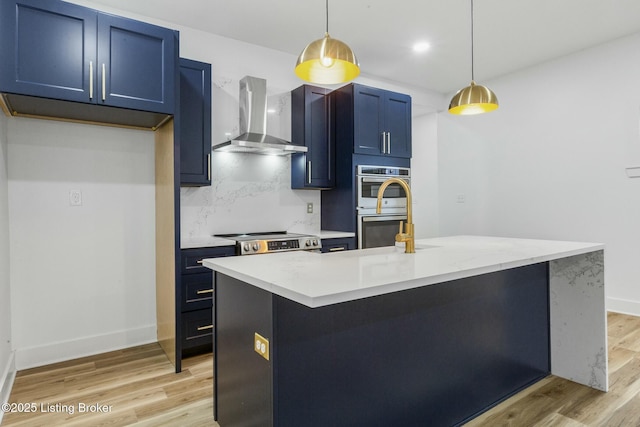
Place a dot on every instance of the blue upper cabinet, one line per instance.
(312, 126)
(195, 123)
(378, 121)
(57, 50)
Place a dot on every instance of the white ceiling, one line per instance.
(509, 34)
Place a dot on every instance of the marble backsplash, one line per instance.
(249, 192)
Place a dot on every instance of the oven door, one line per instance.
(394, 195)
(378, 230)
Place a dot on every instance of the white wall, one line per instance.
(7, 368)
(424, 175)
(82, 277)
(550, 163)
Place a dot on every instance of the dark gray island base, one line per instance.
(435, 355)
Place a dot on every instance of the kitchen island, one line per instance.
(377, 337)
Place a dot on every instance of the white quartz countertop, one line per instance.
(205, 242)
(316, 279)
(329, 234)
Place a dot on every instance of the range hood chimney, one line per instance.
(253, 124)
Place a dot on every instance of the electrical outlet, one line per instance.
(309, 207)
(75, 198)
(460, 198)
(261, 345)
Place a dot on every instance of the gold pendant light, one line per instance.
(473, 99)
(327, 60)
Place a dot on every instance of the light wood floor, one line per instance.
(142, 390)
(139, 384)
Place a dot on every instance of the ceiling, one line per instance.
(509, 34)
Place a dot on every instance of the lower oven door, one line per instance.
(378, 230)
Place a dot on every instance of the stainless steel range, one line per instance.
(277, 241)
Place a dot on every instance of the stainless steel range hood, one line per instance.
(253, 124)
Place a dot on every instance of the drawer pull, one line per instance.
(204, 328)
(336, 249)
(204, 291)
(199, 262)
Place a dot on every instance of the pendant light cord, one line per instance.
(327, 16)
(472, 75)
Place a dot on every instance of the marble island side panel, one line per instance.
(578, 319)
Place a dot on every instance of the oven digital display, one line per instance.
(279, 245)
(388, 171)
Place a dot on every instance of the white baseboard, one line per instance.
(32, 357)
(623, 306)
(6, 381)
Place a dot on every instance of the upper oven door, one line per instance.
(368, 187)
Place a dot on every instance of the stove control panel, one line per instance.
(252, 247)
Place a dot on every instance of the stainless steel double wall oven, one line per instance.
(375, 229)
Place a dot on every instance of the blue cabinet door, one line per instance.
(195, 123)
(398, 124)
(48, 49)
(368, 116)
(312, 126)
(136, 64)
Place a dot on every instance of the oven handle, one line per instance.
(374, 218)
(367, 179)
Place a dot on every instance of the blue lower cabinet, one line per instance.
(339, 244)
(196, 296)
(197, 332)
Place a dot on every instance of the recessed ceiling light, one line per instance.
(421, 47)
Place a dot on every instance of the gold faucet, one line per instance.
(406, 233)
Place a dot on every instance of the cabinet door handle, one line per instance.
(384, 143)
(309, 172)
(204, 328)
(204, 291)
(209, 167)
(336, 249)
(91, 80)
(199, 262)
(104, 82)
(388, 142)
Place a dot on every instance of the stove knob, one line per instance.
(256, 246)
(315, 242)
(307, 243)
(246, 247)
